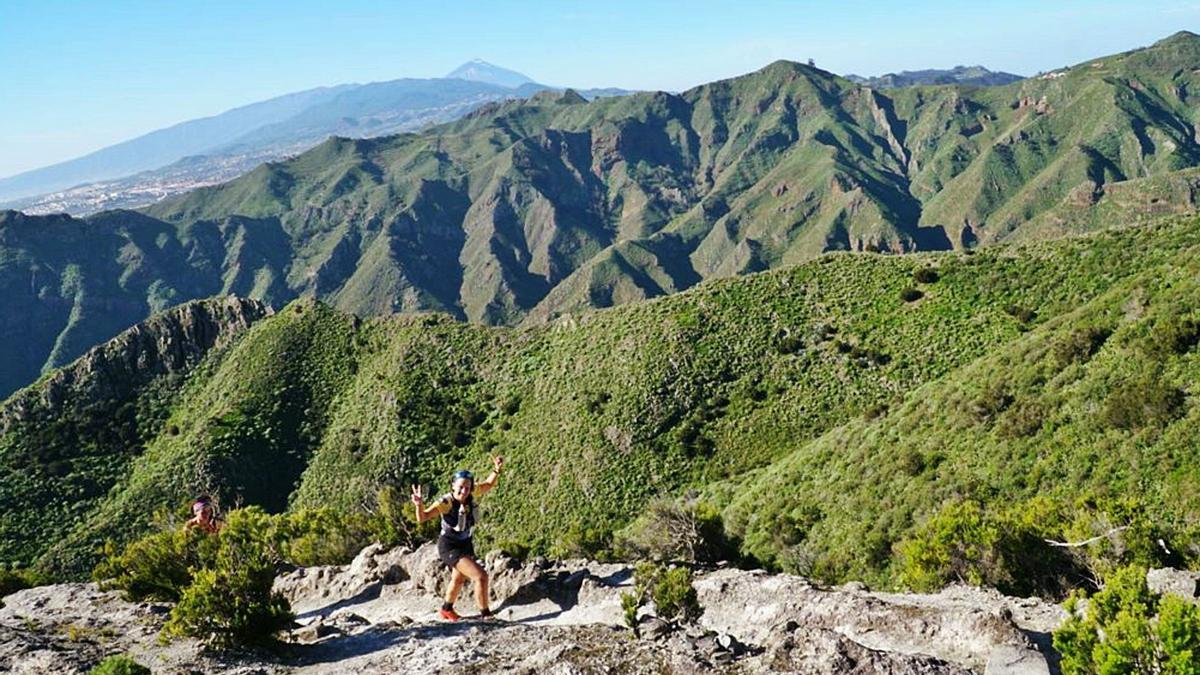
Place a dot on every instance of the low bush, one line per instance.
(963, 543)
(157, 567)
(1143, 402)
(119, 664)
(1174, 335)
(12, 581)
(1126, 628)
(1022, 419)
(1021, 314)
(1079, 345)
(630, 604)
(925, 275)
(669, 587)
(583, 541)
(1038, 546)
(911, 295)
(324, 536)
(231, 601)
(690, 531)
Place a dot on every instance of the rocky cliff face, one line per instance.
(378, 614)
(170, 343)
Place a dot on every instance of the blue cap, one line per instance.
(464, 474)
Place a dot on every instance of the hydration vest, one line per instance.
(458, 522)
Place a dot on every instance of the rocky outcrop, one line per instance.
(168, 343)
(378, 614)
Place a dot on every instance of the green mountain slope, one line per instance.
(1097, 402)
(530, 210)
(728, 387)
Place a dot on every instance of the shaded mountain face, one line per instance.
(528, 210)
(976, 76)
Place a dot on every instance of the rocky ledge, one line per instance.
(378, 614)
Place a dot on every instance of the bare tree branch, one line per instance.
(1085, 542)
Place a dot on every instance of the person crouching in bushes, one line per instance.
(455, 548)
(204, 516)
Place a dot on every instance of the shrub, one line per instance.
(1079, 345)
(583, 541)
(1126, 628)
(1121, 533)
(1142, 402)
(789, 344)
(911, 295)
(1174, 335)
(962, 543)
(1021, 314)
(395, 522)
(671, 530)
(993, 400)
(158, 566)
(231, 602)
(1023, 419)
(669, 587)
(12, 581)
(925, 275)
(119, 664)
(324, 536)
(912, 463)
(630, 603)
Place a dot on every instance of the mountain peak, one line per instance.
(478, 70)
(1179, 38)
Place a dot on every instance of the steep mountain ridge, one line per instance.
(527, 210)
(312, 407)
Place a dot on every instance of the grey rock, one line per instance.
(1182, 583)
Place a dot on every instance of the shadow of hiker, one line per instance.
(1045, 644)
(369, 592)
(379, 637)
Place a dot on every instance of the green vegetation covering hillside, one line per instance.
(529, 210)
(838, 403)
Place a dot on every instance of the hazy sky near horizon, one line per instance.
(76, 76)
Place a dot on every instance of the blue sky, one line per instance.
(77, 76)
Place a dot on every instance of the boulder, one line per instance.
(1182, 583)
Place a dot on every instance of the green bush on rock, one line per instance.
(669, 587)
(1126, 628)
(157, 567)
(119, 664)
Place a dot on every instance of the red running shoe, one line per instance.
(448, 614)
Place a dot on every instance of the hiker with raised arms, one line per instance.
(455, 547)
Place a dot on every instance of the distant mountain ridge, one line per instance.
(221, 147)
(478, 70)
(529, 211)
(964, 75)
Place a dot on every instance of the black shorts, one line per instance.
(451, 551)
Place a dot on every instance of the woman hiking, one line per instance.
(455, 548)
(204, 516)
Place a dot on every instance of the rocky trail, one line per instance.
(379, 614)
